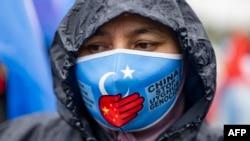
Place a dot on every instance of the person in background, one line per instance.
(2, 93)
(128, 71)
(232, 103)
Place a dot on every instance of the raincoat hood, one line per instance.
(84, 18)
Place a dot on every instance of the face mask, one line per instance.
(128, 90)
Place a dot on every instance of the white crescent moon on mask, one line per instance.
(102, 81)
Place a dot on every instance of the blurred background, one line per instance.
(227, 23)
(27, 28)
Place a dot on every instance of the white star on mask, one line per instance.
(127, 72)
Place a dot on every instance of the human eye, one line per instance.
(145, 46)
(96, 48)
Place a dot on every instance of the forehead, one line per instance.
(128, 20)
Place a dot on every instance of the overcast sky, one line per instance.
(223, 14)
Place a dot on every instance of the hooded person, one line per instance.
(128, 71)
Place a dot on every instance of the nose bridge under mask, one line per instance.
(120, 82)
(116, 61)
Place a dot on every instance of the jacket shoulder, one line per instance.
(38, 127)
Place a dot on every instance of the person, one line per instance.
(127, 71)
(2, 92)
(231, 104)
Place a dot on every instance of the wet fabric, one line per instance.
(83, 20)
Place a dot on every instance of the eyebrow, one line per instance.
(100, 32)
(135, 32)
(145, 30)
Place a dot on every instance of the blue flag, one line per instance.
(22, 50)
(50, 14)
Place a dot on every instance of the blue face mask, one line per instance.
(128, 90)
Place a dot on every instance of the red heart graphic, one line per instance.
(119, 111)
